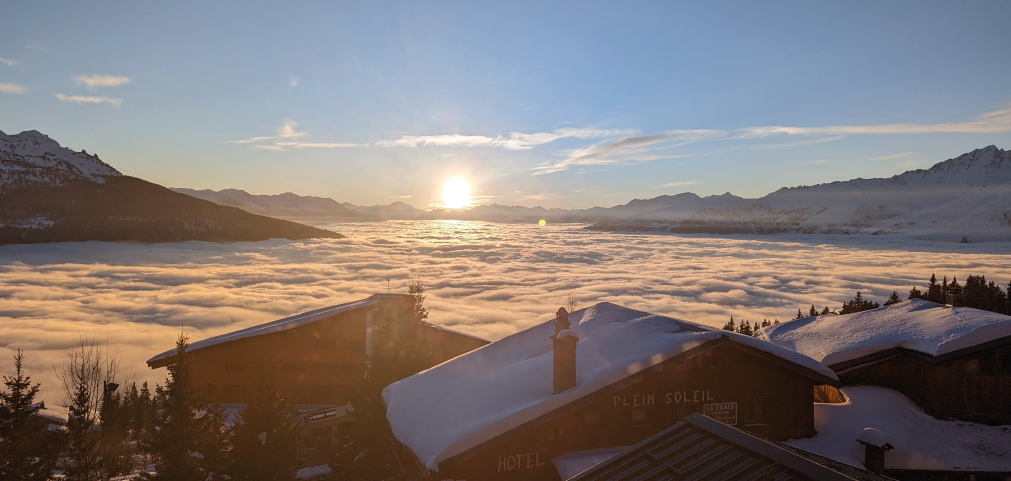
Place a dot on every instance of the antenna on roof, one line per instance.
(387, 285)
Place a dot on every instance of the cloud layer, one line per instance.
(287, 136)
(485, 279)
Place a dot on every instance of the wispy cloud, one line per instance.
(9, 62)
(515, 140)
(547, 196)
(892, 157)
(629, 150)
(12, 89)
(819, 161)
(682, 183)
(287, 136)
(93, 81)
(82, 99)
(988, 123)
(293, 81)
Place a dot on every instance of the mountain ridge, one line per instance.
(50, 193)
(966, 198)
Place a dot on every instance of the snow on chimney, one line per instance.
(876, 443)
(565, 352)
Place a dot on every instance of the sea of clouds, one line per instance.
(485, 279)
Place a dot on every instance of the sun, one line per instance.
(456, 194)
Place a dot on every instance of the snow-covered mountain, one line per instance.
(32, 158)
(49, 193)
(967, 198)
(286, 206)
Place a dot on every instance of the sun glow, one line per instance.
(456, 194)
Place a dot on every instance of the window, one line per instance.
(591, 418)
(756, 410)
(294, 367)
(972, 366)
(639, 417)
(236, 366)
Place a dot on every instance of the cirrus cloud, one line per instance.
(13, 89)
(84, 99)
(94, 81)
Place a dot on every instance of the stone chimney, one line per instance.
(876, 443)
(565, 353)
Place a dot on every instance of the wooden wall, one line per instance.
(973, 388)
(770, 401)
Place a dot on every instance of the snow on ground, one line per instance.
(571, 464)
(920, 441)
(312, 471)
(462, 403)
(917, 324)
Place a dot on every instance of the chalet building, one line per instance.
(955, 362)
(598, 378)
(703, 449)
(320, 355)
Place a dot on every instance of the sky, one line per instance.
(559, 104)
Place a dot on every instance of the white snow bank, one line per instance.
(58, 415)
(874, 437)
(312, 471)
(920, 441)
(274, 326)
(917, 324)
(571, 464)
(471, 399)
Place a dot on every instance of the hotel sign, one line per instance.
(322, 415)
(725, 413)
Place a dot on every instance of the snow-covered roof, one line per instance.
(917, 324)
(274, 326)
(920, 441)
(478, 396)
(573, 463)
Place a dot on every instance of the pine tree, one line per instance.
(176, 428)
(116, 456)
(934, 293)
(265, 437)
(799, 315)
(813, 312)
(915, 293)
(28, 449)
(399, 350)
(826, 311)
(893, 299)
(730, 326)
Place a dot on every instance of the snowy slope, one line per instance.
(32, 158)
(920, 441)
(466, 401)
(917, 324)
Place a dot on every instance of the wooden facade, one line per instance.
(319, 361)
(971, 384)
(739, 385)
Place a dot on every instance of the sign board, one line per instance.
(322, 415)
(725, 413)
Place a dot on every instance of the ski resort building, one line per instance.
(954, 362)
(598, 378)
(320, 356)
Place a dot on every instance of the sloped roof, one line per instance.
(917, 325)
(273, 326)
(701, 448)
(457, 405)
